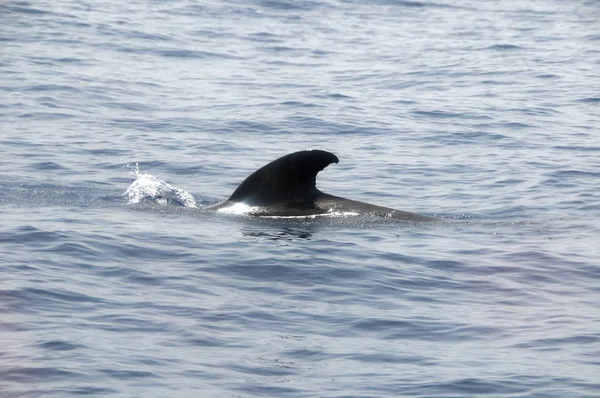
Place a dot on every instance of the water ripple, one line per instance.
(480, 114)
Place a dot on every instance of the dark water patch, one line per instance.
(49, 195)
(547, 76)
(413, 4)
(268, 391)
(338, 96)
(109, 152)
(324, 127)
(77, 249)
(37, 295)
(569, 174)
(264, 37)
(517, 125)
(213, 34)
(274, 369)
(30, 234)
(404, 102)
(130, 106)
(173, 52)
(504, 125)
(22, 8)
(286, 62)
(57, 345)
(205, 342)
(469, 138)
(403, 85)
(559, 344)
(274, 272)
(416, 4)
(286, 5)
(539, 111)
(413, 329)
(141, 124)
(470, 386)
(299, 104)
(44, 166)
(390, 358)
(558, 183)
(72, 60)
(446, 115)
(99, 391)
(447, 265)
(186, 10)
(504, 47)
(51, 87)
(508, 182)
(320, 53)
(35, 374)
(172, 125)
(284, 234)
(14, 327)
(154, 37)
(523, 257)
(589, 100)
(127, 324)
(251, 126)
(143, 279)
(194, 54)
(141, 251)
(280, 49)
(315, 355)
(46, 116)
(498, 83)
(129, 374)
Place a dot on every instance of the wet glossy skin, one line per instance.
(287, 187)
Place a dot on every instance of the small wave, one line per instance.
(32, 374)
(21, 8)
(299, 104)
(591, 100)
(149, 187)
(58, 345)
(183, 53)
(547, 76)
(419, 4)
(291, 5)
(503, 47)
(47, 166)
(51, 87)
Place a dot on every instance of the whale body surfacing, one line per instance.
(287, 187)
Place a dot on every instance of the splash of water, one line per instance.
(151, 188)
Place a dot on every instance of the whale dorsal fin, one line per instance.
(289, 179)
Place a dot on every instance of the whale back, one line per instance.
(290, 179)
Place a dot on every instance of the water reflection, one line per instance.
(304, 232)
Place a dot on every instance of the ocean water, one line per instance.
(483, 114)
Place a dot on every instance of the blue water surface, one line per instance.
(485, 115)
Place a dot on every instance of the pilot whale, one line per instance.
(287, 187)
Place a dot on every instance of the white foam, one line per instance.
(149, 187)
